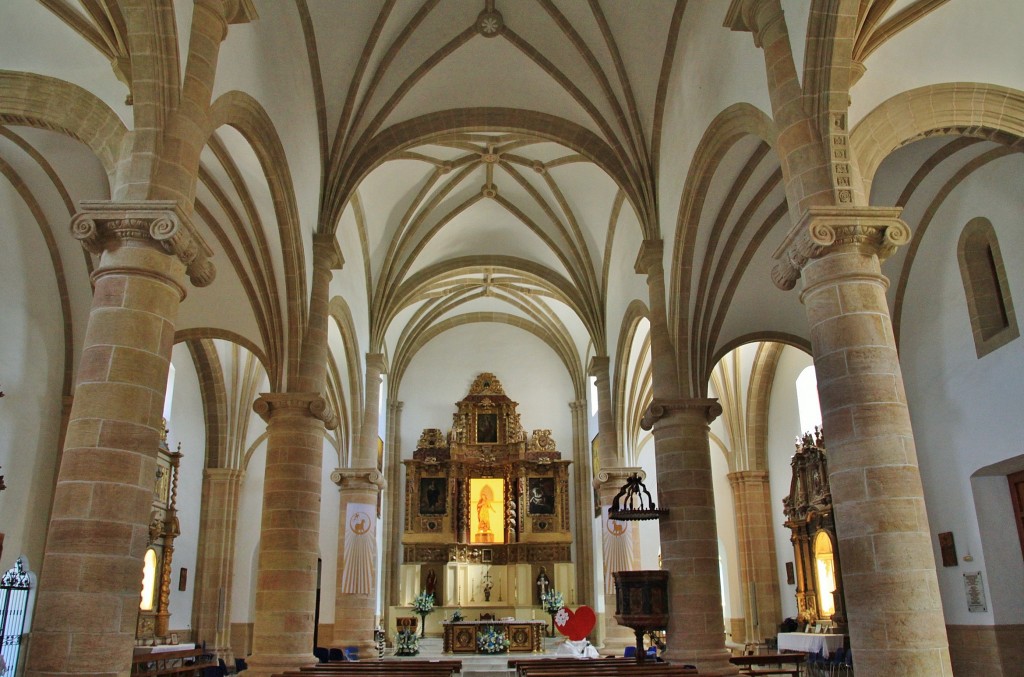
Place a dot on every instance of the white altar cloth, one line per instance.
(810, 642)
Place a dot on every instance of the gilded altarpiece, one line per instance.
(809, 516)
(486, 509)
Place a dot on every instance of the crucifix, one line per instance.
(486, 578)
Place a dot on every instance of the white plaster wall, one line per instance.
(330, 509)
(31, 374)
(783, 426)
(186, 426)
(247, 536)
(965, 410)
(725, 517)
(442, 372)
(1000, 553)
(959, 42)
(714, 68)
(650, 534)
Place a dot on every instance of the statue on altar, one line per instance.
(484, 508)
(543, 584)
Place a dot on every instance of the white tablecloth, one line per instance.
(810, 642)
(162, 648)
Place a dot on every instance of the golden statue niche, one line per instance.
(486, 508)
(808, 510)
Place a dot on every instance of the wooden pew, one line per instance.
(599, 667)
(183, 663)
(453, 664)
(405, 666)
(772, 663)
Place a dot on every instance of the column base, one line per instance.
(708, 662)
(616, 637)
(268, 664)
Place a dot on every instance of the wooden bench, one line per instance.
(771, 663)
(445, 667)
(598, 667)
(183, 663)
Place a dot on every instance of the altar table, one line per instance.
(460, 636)
(809, 642)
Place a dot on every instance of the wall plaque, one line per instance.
(975, 588)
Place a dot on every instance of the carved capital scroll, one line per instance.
(359, 478)
(661, 408)
(822, 230)
(302, 404)
(156, 223)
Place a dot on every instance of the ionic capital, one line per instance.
(708, 408)
(359, 478)
(823, 230)
(617, 476)
(159, 224)
(299, 404)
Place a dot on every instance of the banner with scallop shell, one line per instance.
(618, 548)
(360, 553)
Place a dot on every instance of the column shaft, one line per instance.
(689, 536)
(355, 604)
(892, 593)
(584, 522)
(752, 498)
(289, 531)
(88, 600)
(211, 606)
(392, 527)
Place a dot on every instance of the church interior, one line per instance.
(346, 305)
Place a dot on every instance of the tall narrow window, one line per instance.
(1017, 496)
(989, 305)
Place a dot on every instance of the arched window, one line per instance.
(989, 305)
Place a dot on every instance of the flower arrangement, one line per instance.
(457, 616)
(423, 604)
(407, 643)
(552, 601)
(490, 640)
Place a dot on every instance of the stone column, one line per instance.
(615, 537)
(355, 606)
(392, 527)
(91, 578)
(689, 537)
(584, 517)
(289, 530)
(211, 607)
(892, 593)
(608, 480)
(758, 573)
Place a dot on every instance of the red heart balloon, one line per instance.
(575, 626)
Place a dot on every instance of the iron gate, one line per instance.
(14, 589)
